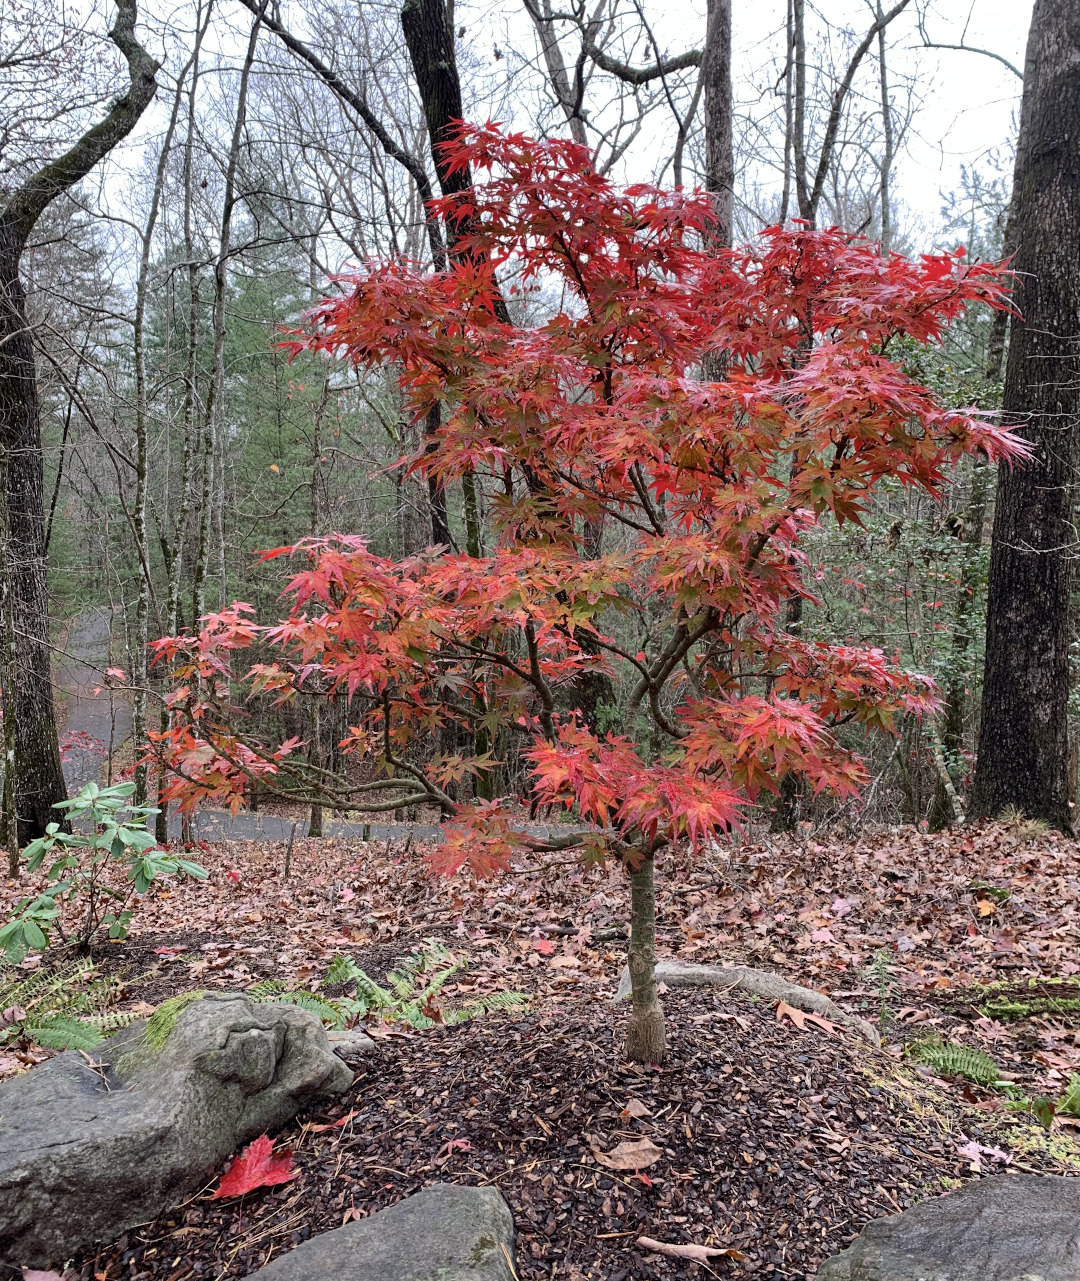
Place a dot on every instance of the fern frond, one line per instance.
(63, 1032)
(343, 969)
(952, 1059)
(478, 1006)
(266, 989)
(321, 1006)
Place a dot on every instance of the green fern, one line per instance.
(951, 1059)
(63, 1008)
(486, 1004)
(412, 997)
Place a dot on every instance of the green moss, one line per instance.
(160, 1024)
(1012, 1000)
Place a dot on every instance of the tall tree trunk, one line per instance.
(213, 426)
(1023, 740)
(646, 1041)
(719, 146)
(174, 551)
(140, 673)
(38, 771)
(887, 129)
(942, 810)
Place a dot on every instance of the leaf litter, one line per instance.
(890, 924)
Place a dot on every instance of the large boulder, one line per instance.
(445, 1233)
(1012, 1227)
(91, 1145)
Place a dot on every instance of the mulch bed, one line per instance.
(779, 1145)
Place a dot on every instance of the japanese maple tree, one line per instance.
(625, 633)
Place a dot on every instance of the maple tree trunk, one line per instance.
(1023, 757)
(645, 1038)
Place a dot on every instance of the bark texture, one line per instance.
(646, 1041)
(39, 777)
(1023, 758)
(719, 147)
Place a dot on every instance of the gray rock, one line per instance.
(773, 987)
(350, 1043)
(445, 1233)
(1012, 1227)
(93, 1145)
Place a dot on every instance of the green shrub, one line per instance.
(116, 834)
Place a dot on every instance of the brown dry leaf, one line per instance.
(696, 1253)
(141, 1008)
(634, 1154)
(636, 1109)
(801, 1017)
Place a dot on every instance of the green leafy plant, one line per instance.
(952, 1059)
(109, 832)
(412, 995)
(1069, 1103)
(62, 1009)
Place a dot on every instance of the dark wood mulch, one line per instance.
(778, 1144)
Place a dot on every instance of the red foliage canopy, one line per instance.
(647, 520)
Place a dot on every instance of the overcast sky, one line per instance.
(969, 102)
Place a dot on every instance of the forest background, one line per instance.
(179, 440)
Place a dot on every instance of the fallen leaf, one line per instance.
(636, 1109)
(332, 1125)
(32, 1274)
(974, 1152)
(801, 1017)
(696, 1253)
(634, 1154)
(544, 946)
(142, 1008)
(256, 1167)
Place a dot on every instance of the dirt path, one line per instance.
(96, 717)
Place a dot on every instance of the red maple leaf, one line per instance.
(255, 1167)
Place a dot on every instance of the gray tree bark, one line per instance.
(1023, 758)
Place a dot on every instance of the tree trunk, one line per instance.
(645, 1038)
(39, 775)
(38, 771)
(1023, 756)
(942, 811)
(174, 552)
(719, 148)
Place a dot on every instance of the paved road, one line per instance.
(219, 825)
(96, 716)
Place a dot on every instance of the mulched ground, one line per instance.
(778, 1144)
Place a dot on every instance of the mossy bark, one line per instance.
(645, 1036)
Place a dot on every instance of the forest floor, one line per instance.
(779, 1143)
